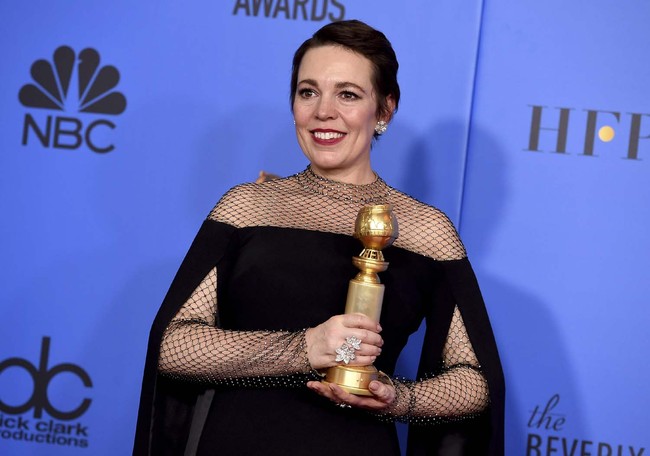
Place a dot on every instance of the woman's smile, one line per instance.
(327, 137)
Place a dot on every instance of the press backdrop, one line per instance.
(122, 123)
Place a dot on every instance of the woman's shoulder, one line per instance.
(245, 204)
(425, 229)
(412, 207)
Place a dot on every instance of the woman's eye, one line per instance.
(349, 95)
(306, 93)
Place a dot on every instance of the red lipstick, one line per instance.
(327, 137)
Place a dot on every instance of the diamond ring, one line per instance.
(346, 351)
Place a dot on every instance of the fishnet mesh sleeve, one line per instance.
(459, 391)
(194, 349)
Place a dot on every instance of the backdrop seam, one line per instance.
(470, 117)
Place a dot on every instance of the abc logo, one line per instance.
(42, 376)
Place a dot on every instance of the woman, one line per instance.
(256, 309)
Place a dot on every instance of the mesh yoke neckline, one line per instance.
(373, 193)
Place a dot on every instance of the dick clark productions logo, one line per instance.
(55, 428)
(72, 83)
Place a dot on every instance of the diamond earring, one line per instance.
(381, 127)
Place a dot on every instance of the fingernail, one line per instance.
(373, 386)
(378, 327)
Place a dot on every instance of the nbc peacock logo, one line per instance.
(77, 85)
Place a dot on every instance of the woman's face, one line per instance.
(335, 109)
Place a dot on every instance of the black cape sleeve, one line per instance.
(482, 435)
(166, 405)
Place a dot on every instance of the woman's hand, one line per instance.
(323, 340)
(382, 398)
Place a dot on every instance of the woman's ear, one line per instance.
(387, 115)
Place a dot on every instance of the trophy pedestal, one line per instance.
(352, 379)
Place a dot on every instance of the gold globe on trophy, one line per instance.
(376, 228)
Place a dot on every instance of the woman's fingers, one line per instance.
(365, 329)
(383, 395)
(361, 321)
(382, 392)
(349, 337)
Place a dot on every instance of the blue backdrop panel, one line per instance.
(122, 124)
(555, 216)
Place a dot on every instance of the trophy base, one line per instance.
(353, 379)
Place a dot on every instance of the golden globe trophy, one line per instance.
(376, 228)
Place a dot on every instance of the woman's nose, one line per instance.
(326, 109)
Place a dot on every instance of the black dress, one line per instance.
(277, 269)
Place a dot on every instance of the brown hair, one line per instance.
(364, 40)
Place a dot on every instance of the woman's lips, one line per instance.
(327, 137)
